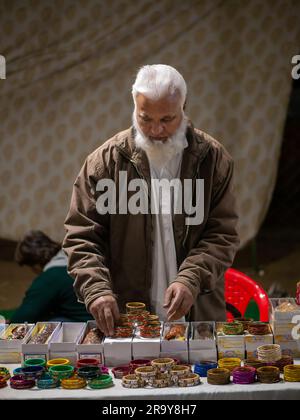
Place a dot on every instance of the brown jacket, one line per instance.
(111, 254)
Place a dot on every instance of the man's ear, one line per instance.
(184, 105)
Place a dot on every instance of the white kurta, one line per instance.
(164, 263)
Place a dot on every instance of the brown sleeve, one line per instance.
(86, 242)
(207, 262)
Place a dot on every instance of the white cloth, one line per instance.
(59, 260)
(164, 263)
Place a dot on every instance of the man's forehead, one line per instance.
(166, 104)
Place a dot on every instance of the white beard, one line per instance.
(160, 152)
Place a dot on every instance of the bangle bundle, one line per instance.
(32, 372)
(285, 361)
(230, 363)
(192, 379)
(88, 372)
(87, 362)
(47, 382)
(245, 321)
(202, 368)
(123, 331)
(163, 364)
(146, 374)
(101, 382)
(139, 363)
(35, 362)
(3, 382)
(258, 328)
(4, 372)
(61, 371)
(268, 374)
(255, 363)
(233, 328)
(244, 375)
(270, 353)
(75, 382)
(18, 382)
(150, 330)
(179, 371)
(135, 307)
(218, 376)
(292, 373)
(57, 362)
(121, 371)
(132, 381)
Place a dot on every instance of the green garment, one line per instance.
(51, 296)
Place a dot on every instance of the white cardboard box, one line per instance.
(174, 346)
(183, 356)
(64, 345)
(282, 328)
(282, 316)
(31, 350)
(117, 351)
(94, 351)
(254, 341)
(145, 348)
(202, 344)
(10, 350)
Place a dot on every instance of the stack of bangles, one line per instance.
(87, 362)
(18, 382)
(268, 374)
(245, 321)
(32, 372)
(57, 362)
(203, 367)
(230, 363)
(179, 371)
(150, 330)
(284, 361)
(218, 376)
(47, 382)
(123, 331)
(3, 382)
(61, 371)
(131, 381)
(244, 375)
(255, 363)
(270, 353)
(88, 372)
(292, 373)
(233, 328)
(101, 382)
(258, 328)
(192, 379)
(146, 375)
(35, 362)
(4, 372)
(120, 371)
(75, 382)
(163, 364)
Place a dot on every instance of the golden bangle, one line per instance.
(292, 373)
(230, 363)
(192, 379)
(145, 372)
(56, 362)
(163, 364)
(73, 383)
(135, 306)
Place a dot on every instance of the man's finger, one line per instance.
(176, 303)
(168, 297)
(109, 320)
(115, 311)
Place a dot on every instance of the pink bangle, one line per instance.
(104, 370)
(121, 371)
(87, 362)
(139, 363)
(18, 382)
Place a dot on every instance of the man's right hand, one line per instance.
(106, 312)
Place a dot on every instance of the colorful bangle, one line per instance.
(104, 370)
(191, 380)
(3, 382)
(245, 321)
(32, 372)
(255, 363)
(35, 362)
(139, 363)
(160, 383)
(145, 374)
(18, 382)
(132, 381)
(259, 328)
(57, 362)
(292, 373)
(202, 368)
(177, 372)
(17, 371)
(284, 361)
(121, 371)
(270, 353)
(268, 374)
(230, 363)
(4, 372)
(218, 376)
(150, 332)
(101, 382)
(74, 382)
(123, 332)
(61, 371)
(47, 382)
(163, 364)
(244, 375)
(135, 307)
(87, 362)
(233, 328)
(88, 372)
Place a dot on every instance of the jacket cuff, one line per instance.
(91, 296)
(191, 284)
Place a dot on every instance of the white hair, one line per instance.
(159, 80)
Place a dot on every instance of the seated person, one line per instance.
(51, 296)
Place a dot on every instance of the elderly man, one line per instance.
(176, 268)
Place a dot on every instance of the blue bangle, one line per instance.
(17, 371)
(47, 382)
(202, 368)
(32, 372)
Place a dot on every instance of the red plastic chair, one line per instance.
(239, 290)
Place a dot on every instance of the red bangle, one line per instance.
(139, 363)
(18, 382)
(87, 362)
(120, 371)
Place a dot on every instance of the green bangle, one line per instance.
(102, 381)
(61, 371)
(35, 362)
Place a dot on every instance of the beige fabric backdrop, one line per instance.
(70, 66)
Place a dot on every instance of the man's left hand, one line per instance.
(178, 300)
